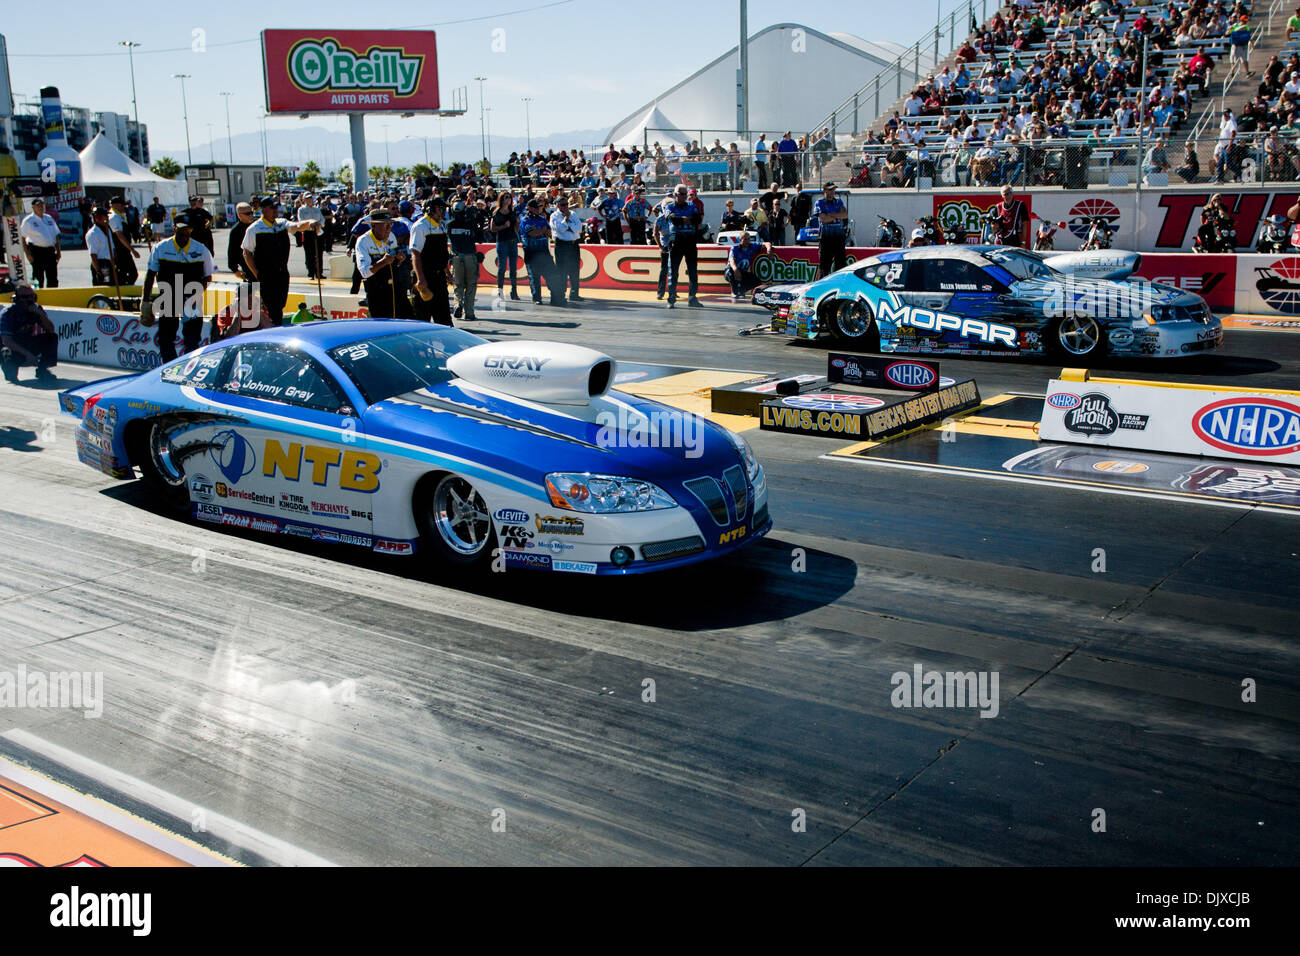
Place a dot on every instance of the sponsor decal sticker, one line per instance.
(1249, 426)
(512, 516)
(910, 375)
(577, 567)
(564, 525)
(1120, 467)
(532, 559)
(833, 402)
(1064, 401)
(393, 547)
(1095, 416)
(201, 488)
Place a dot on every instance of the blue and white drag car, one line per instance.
(403, 437)
(996, 300)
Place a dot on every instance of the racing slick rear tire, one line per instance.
(853, 323)
(1077, 337)
(455, 522)
(151, 450)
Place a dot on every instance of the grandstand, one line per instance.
(1055, 94)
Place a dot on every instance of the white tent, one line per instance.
(103, 165)
(654, 126)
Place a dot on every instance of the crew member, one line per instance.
(201, 223)
(311, 243)
(100, 244)
(39, 234)
(378, 256)
(266, 256)
(685, 217)
(123, 253)
(1012, 216)
(663, 235)
(430, 258)
(740, 264)
(832, 220)
(462, 237)
(566, 229)
(183, 267)
(27, 336)
(610, 211)
(636, 209)
(155, 214)
(537, 254)
(243, 307)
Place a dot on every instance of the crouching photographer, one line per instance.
(27, 337)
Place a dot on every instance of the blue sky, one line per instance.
(585, 63)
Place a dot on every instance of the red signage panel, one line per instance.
(350, 71)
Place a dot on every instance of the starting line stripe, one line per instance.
(1078, 484)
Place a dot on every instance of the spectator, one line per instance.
(760, 160)
(1191, 167)
(740, 265)
(788, 151)
(39, 235)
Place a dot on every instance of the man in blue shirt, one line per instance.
(610, 209)
(832, 221)
(788, 150)
(635, 209)
(685, 218)
(760, 160)
(740, 264)
(27, 336)
(535, 232)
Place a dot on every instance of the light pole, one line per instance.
(135, 106)
(488, 154)
(528, 130)
(212, 149)
(442, 156)
(426, 146)
(482, 129)
(387, 159)
(185, 109)
(230, 143)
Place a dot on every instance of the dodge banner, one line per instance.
(350, 71)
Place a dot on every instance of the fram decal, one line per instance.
(1249, 426)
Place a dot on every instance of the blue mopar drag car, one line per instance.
(996, 300)
(403, 437)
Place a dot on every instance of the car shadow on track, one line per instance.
(767, 581)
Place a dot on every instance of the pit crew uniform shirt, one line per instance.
(181, 275)
(831, 255)
(429, 242)
(268, 244)
(381, 294)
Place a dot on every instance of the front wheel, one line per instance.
(854, 323)
(454, 520)
(1077, 337)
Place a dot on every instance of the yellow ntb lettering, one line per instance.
(360, 471)
(321, 459)
(276, 457)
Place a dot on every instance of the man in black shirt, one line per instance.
(200, 222)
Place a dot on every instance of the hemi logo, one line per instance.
(1063, 400)
(910, 375)
(1250, 426)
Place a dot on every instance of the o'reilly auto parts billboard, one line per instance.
(350, 71)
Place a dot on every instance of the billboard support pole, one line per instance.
(357, 127)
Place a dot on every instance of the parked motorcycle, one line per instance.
(891, 234)
(930, 226)
(1216, 234)
(1275, 236)
(1098, 235)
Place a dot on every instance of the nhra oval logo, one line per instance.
(108, 324)
(511, 516)
(1064, 401)
(833, 402)
(910, 375)
(1249, 426)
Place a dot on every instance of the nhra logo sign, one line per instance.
(912, 375)
(1249, 426)
(350, 71)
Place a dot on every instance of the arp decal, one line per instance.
(1249, 426)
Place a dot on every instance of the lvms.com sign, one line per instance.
(350, 71)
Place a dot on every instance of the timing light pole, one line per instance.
(230, 143)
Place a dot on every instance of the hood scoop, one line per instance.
(550, 373)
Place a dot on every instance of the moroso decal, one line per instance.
(1249, 426)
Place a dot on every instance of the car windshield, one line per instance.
(1021, 264)
(394, 364)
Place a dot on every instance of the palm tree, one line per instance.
(166, 167)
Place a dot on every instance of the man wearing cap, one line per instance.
(311, 245)
(123, 253)
(566, 229)
(100, 244)
(610, 210)
(663, 236)
(183, 267)
(39, 234)
(266, 256)
(378, 256)
(535, 232)
(27, 336)
(685, 220)
(635, 209)
(234, 251)
(832, 223)
(200, 223)
(430, 258)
